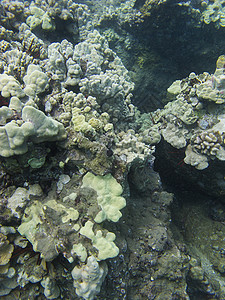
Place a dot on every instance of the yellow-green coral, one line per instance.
(39, 17)
(79, 122)
(104, 244)
(80, 251)
(148, 5)
(213, 11)
(141, 61)
(89, 122)
(109, 196)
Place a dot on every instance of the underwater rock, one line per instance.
(203, 238)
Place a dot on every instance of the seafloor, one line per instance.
(112, 149)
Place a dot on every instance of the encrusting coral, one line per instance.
(39, 220)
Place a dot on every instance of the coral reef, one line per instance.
(38, 17)
(195, 118)
(96, 70)
(63, 220)
(122, 12)
(7, 283)
(193, 123)
(12, 13)
(55, 227)
(130, 146)
(81, 207)
(9, 86)
(148, 6)
(109, 196)
(39, 218)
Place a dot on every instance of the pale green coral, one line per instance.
(43, 220)
(35, 125)
(35, 217)
(199, 161)
(13, 138)
(89, 122)
(39, 17)
(6, 250)
(19, 199)
(15, 104)
(151, 136)
(84, 115)
(32, 44)
(36, 163)
(51, 290)
(67, 213)
(104, 244)
(36, 81)
(46, 128)
(32, 218)
(175, 88)
(174, 136)
(7, 280)
(80, 251)
(5, 113)
(129, 146)
(80, 124)
(108, 196)
(9, 86)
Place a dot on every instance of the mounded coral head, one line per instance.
(89, 278)
(36, 81)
